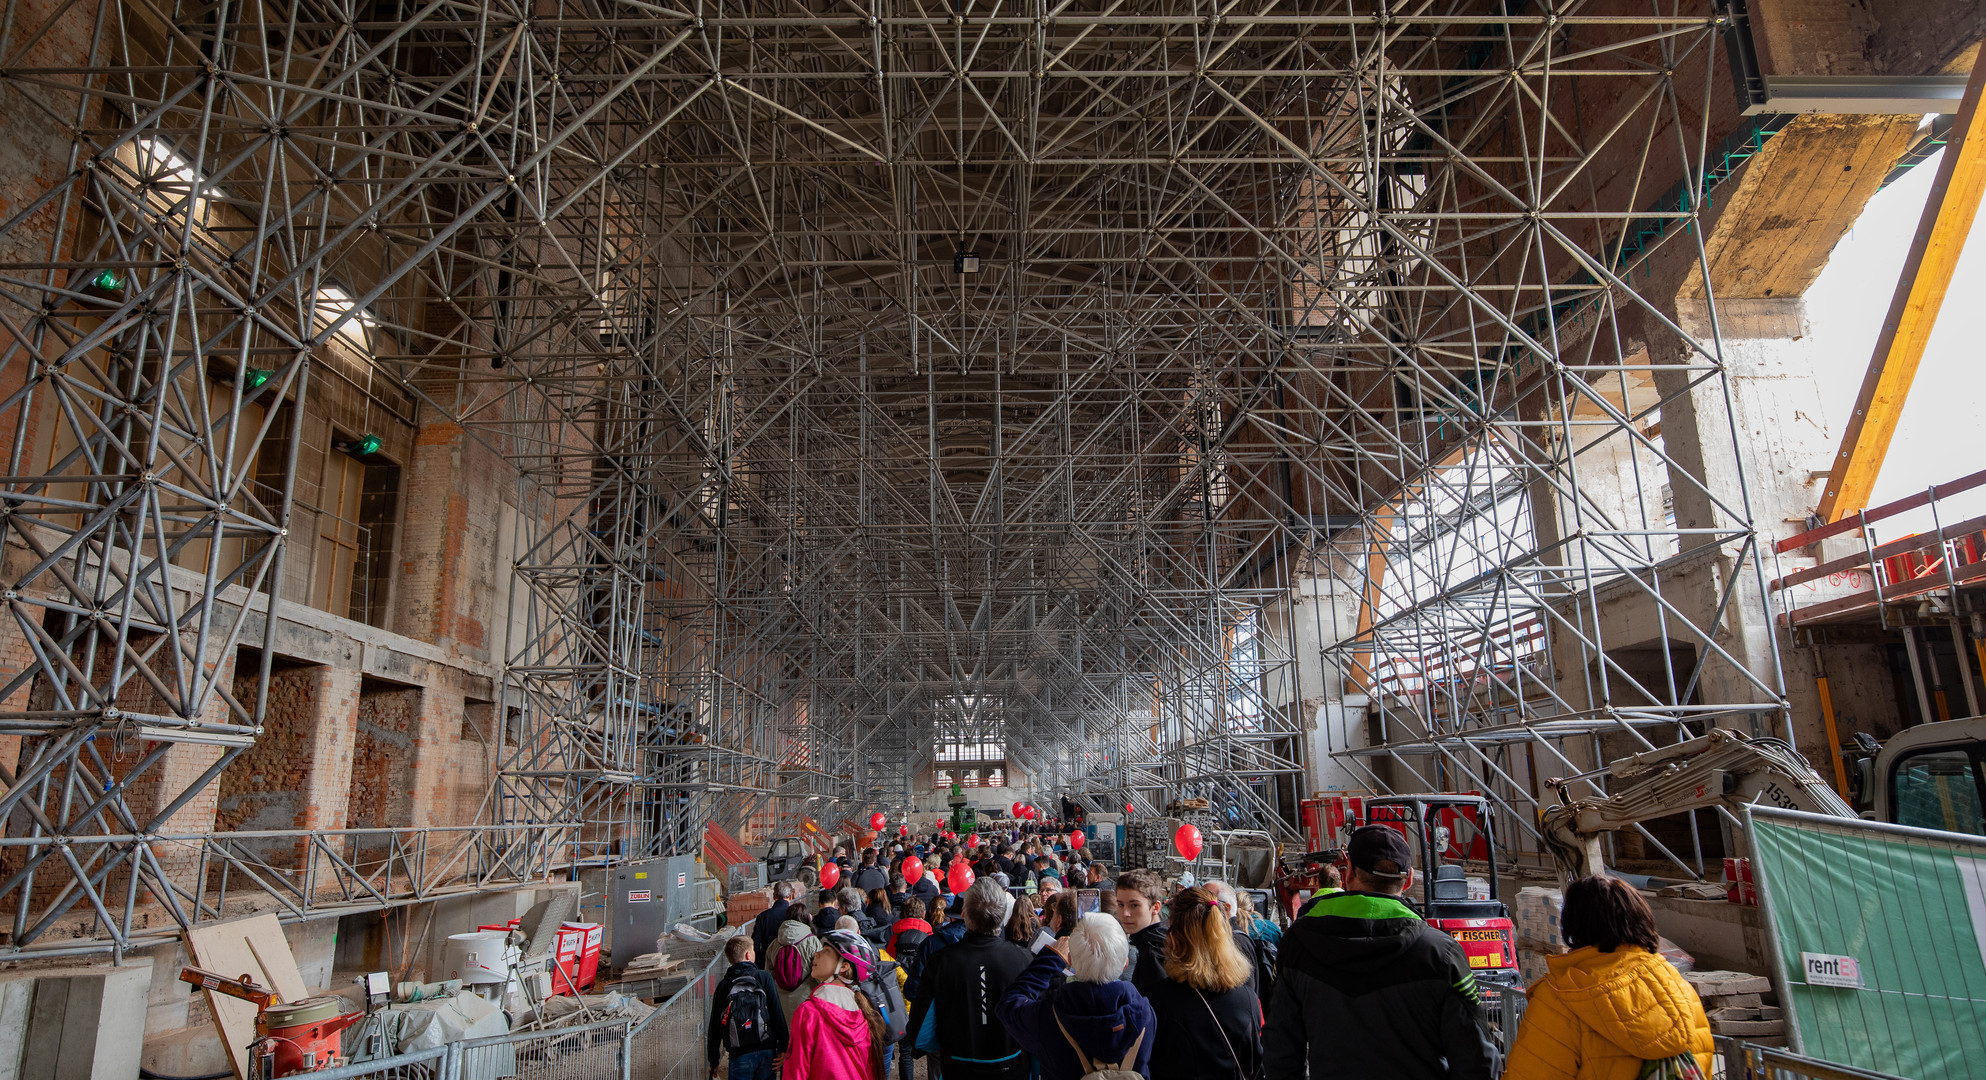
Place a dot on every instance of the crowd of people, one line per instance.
(1010, 979)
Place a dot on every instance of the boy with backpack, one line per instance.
(745, 1017)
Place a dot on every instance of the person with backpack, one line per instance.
(881, 985)
(745, 1018)
(1074, 1015)
(911, 921)
(837, 1033)
(791, 958)
(871, 875)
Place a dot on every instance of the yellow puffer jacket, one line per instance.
(1598, 1016)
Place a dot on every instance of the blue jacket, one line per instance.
(1104, 1019)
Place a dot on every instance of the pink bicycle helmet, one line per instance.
(853, 948)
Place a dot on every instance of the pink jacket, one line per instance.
(829, 1038)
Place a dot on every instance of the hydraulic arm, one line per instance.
(1720, 768)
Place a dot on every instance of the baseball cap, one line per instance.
(1374, 844)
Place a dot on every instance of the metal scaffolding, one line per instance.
(875, 376)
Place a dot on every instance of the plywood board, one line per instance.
(255, 947)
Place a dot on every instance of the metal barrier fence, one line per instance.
(1504, 1008)
(419, 1065)
(667, 1044)
(1744, 1061)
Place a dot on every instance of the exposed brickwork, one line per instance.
(298, 773)
(448, 558)
(382, 793)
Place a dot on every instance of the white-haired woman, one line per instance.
(1072, 1013)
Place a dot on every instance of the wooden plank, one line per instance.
(1913, 312)
(252, 946)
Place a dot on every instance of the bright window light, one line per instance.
(332, 304)
(167, 176)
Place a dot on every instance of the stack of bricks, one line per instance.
(1735, 1003)
(743, 907)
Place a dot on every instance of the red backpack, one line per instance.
(789, 968)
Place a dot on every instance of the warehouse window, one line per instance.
(334, 303)
(166, 179)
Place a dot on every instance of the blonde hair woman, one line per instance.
(1209, 1020)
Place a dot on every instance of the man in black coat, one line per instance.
(767, 924)
(964, 983)
(1367, 990)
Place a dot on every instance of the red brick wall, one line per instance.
(382, 790)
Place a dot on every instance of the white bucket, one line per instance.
(480, 958)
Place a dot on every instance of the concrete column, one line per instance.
(1780, 439)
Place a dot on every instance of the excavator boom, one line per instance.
(1719, 768)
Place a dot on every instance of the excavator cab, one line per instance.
(1447, 831)
(1933, 776)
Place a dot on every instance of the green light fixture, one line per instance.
(257, 377)
(107, 280)
(365, 446)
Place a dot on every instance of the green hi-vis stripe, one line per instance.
(1467, 985)
(1361, 906)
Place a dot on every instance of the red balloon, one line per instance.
(1128, 808)
(1017, 810)
(1187, 841)
(830, 874)
(877, 821)
(903, 830)
(1031, 812)
(961, 877)
(972, 841)
(1076, 839)
(913, 870)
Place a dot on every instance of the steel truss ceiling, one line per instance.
(1252, 279)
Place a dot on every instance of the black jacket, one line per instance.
(1148, 966)
(1194, 1035)
(881, 919)
(1368, 991)
(713, 1038)
(868, 878)
(965, 982)
(926, 890)
(826, 917)
(767, 925)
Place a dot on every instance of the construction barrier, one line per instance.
(1879, 939)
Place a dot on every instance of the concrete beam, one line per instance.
(1794, 202)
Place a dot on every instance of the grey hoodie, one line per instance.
(793, 935)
